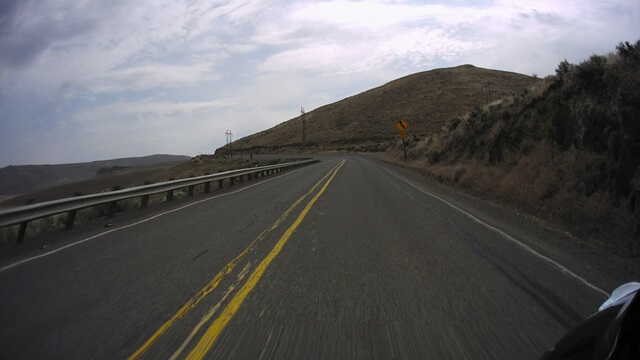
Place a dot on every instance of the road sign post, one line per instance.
(404, 148)
(402, 126)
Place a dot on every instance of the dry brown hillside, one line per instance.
(566, 150)
(365, 122)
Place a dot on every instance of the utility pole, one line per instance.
(304, 126)
(229, 139)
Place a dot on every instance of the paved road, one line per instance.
(341, 259)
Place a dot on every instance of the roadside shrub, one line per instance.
(591, 72)
(629, 51)
(563, 68)
(434, 155)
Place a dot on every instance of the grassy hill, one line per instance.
(365, 122)
(566, 149)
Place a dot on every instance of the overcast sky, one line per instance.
(89, 80)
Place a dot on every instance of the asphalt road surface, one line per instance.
(345, 259)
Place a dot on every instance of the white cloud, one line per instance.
(369, 15)
(123, 112)
(149, 76)
(125, 41)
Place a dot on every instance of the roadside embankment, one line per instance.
(566, 150)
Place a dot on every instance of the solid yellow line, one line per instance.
(216, 279)
(211, 312)
(220, 323)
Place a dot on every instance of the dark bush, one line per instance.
(590, 72)
(563, 68)
(629, 51)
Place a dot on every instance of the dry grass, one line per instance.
(365, 122)
(554, 186)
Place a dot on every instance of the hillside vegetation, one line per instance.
(365, 122)
(567, 149)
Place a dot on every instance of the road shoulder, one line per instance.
(599, 261)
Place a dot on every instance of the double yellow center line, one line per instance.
(214, 330)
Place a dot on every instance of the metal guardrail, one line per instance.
(24, 214)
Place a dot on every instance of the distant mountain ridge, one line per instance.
(27, 178)
(365, 122)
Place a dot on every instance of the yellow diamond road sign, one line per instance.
(402, 125)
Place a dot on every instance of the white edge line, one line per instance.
(506, 236)
(138, 223)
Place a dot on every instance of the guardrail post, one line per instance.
(220, 183)
(191, 187)
(144, 200)
(71, 215)
(71, 218)
(170, 192)
(113, 206)
(232, 181)
(22, 231)
(207, 185)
